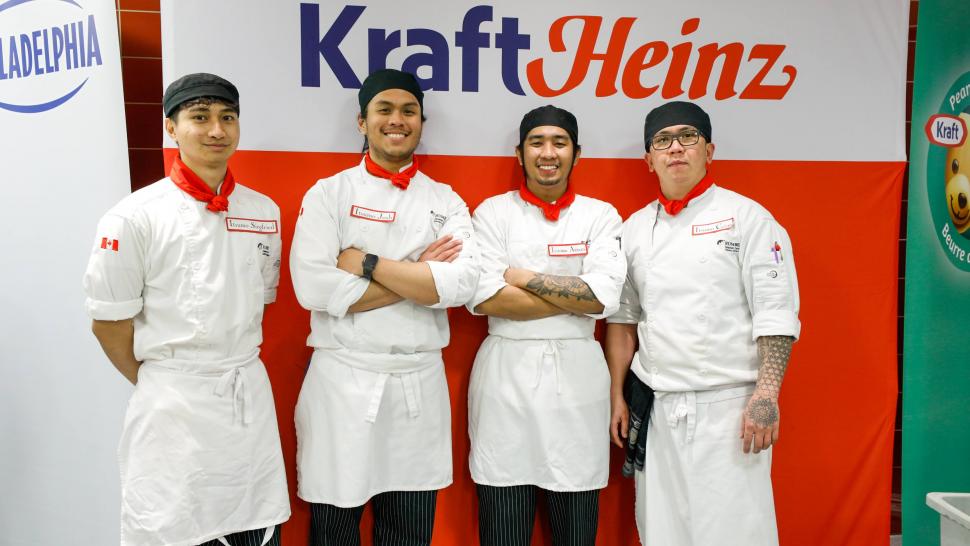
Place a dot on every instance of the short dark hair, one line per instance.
(203, 101)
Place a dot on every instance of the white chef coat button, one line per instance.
(703, 372)
(364, 227)
(701, 318)
(196, 266)
(653, 369)
(703, 259)
(249, 260)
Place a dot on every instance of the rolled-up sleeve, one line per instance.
(493, 257)
(318, 283)
(604, 268)
(115, 276)
(456, 281)
(629, 310)
(770, 282)
(271, 267)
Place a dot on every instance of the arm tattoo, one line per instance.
(561, 286)
(774, 352)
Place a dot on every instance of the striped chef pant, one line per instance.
(401, 518)
(506, 515)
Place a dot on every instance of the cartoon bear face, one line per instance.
(957, 178)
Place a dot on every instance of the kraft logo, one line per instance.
(947, 131)
(38, 53)
(321, 45)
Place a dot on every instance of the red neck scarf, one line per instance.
(401, 179)
(549, 210)
(190, 183)
(673, 207)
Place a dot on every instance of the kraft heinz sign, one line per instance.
(775, 86)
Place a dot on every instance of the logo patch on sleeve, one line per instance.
(251, 225)
(568, 249)
(713, 227)
(109, 244)
(364, 213)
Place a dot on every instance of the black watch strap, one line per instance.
(368, 265)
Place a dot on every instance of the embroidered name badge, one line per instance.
(251, 225)
(569, 249)
(713, 227)
(364, 213)
(729, 246)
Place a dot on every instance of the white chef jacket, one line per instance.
(702, 286)
(200, 454)
(373, 413)
(539, 393)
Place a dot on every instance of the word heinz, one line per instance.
(509, 41)
(44, 51)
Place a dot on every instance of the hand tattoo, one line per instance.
(763, 411)
(562, 286)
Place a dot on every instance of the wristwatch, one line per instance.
(368, 265)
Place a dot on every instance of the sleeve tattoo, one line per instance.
(774, 353)
(561, 286)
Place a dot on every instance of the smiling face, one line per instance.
(679, 167)
(206, 132)
(392, 127)
(957, 190)
(547, 156)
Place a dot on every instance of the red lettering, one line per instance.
(755, 90)
(637, 64)
(678, 62)
(585, 55)
(733, 53)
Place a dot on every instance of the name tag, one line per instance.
(250, 225)
(364, 213)
(570, 249)
(713, 227)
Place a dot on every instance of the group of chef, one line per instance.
(698, 289)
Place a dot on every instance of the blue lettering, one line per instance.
(312, 46)
(94, 47)
(80, 42)
(3, 75)
(36, 51)
(379, 46)
(14, 60)
(510, 42)
(470, 39)
(47, 53)
(437, 59)
(70, 46)
(26, 60)
(58, 37)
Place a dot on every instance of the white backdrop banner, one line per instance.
(779, 74)
(65, 162)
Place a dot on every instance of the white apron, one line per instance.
(200, 455)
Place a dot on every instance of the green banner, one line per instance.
(936, 339)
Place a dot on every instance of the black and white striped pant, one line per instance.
(506, 515)
(401, 518)
(248, 538)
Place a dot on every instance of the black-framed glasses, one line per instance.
(685, 138)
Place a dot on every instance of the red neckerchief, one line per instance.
(549, 210)
(674, 207)
(401, 179)
(190, 183)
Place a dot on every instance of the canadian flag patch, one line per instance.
(109, 244)
(568, 249)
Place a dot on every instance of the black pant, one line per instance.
(248, 538)
(506, 515)
(401, 518)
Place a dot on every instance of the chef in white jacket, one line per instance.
(380, 252)
(712, 301)
(176, 283)
(539, 392)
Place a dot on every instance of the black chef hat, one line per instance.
(676, 113)
(388, 78)
(194, 86)
(549, 115)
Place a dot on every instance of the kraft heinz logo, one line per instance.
(624, 65)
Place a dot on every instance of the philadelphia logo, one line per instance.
(46, 61)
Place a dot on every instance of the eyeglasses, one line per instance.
(685, 138)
